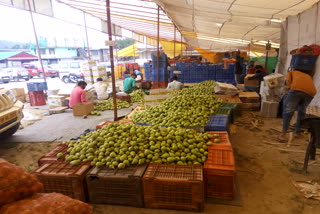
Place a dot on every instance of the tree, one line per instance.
(123, 43)
(16, 46)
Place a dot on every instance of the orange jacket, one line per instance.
(297, 80)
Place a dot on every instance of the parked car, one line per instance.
(17, 73)
(35, 70)
(10, 113)
(70, 71)
(4, 76)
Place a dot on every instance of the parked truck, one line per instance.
(10, 113)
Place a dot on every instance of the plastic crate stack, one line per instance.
(36, 94)
(226, 75)
(225, 112)
(234, 108)
(219, 169)
(147, 71)
(168, 186)
(212, 72)
(217, 123)
(160, 77)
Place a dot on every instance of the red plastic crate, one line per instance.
(168, 186)
(52, 156)
(62, 177)
(37, 98)
(223, 137)
(219, 173)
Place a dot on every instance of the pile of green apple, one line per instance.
(108, 105)
(123, 145)
(181, 111)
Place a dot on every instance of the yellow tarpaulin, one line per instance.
(211, 56)
(132, 50)
(168, 48)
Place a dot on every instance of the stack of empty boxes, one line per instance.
(271, 90)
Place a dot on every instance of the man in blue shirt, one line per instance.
(129, 84)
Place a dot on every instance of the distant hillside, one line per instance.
(4, 44)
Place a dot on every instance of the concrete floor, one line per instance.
(61, 127)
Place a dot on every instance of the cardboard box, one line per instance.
(56, 100)
(249, 97)
(248, 82)
(18, 92)
(21, 98)
(269, 109)
(82, 109)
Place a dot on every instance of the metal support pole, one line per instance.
(87, 38)
(181, 44)
(112, 62)
(158, 42)
(134, 54)
(174, 43)
(37, 42)
(88, 49)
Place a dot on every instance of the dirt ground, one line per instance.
(265, 171)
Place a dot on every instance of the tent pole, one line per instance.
(37, 42)
(88, 49)
(174, 43)
(112, 62)
(181, 44)
(134, 55)
(158, 42)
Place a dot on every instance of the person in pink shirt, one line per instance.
(78, 95)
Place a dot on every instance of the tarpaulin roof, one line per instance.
(138, 16)
(214, 24)
(128, 51)
(207, 24)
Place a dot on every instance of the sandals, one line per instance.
(281, 139)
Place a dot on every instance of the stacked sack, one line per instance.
(19, 193)
(272, 90)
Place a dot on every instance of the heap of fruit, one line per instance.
(122, 145)
(137, 96)
(97, 113)
(181, 110)
(202, 88)
(108, 105)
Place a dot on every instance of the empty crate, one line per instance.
(217, 123)
(219, 173)
(116, 186)
(61, 177)
(178, 187)
(52, 156)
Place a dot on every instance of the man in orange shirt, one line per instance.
(301, 92)
(78, 95)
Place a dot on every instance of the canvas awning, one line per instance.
(206, 24)
(131, 50)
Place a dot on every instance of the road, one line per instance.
(53, 83)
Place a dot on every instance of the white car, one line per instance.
(4, 76)
(10, 113)
(17, 73)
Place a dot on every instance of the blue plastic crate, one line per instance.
(305, 62)
(217, 123)
(37, 86)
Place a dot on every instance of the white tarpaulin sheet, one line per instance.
(204, 22)
(297, 31)
(39, 6)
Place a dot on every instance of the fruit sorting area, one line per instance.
(162, 165)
